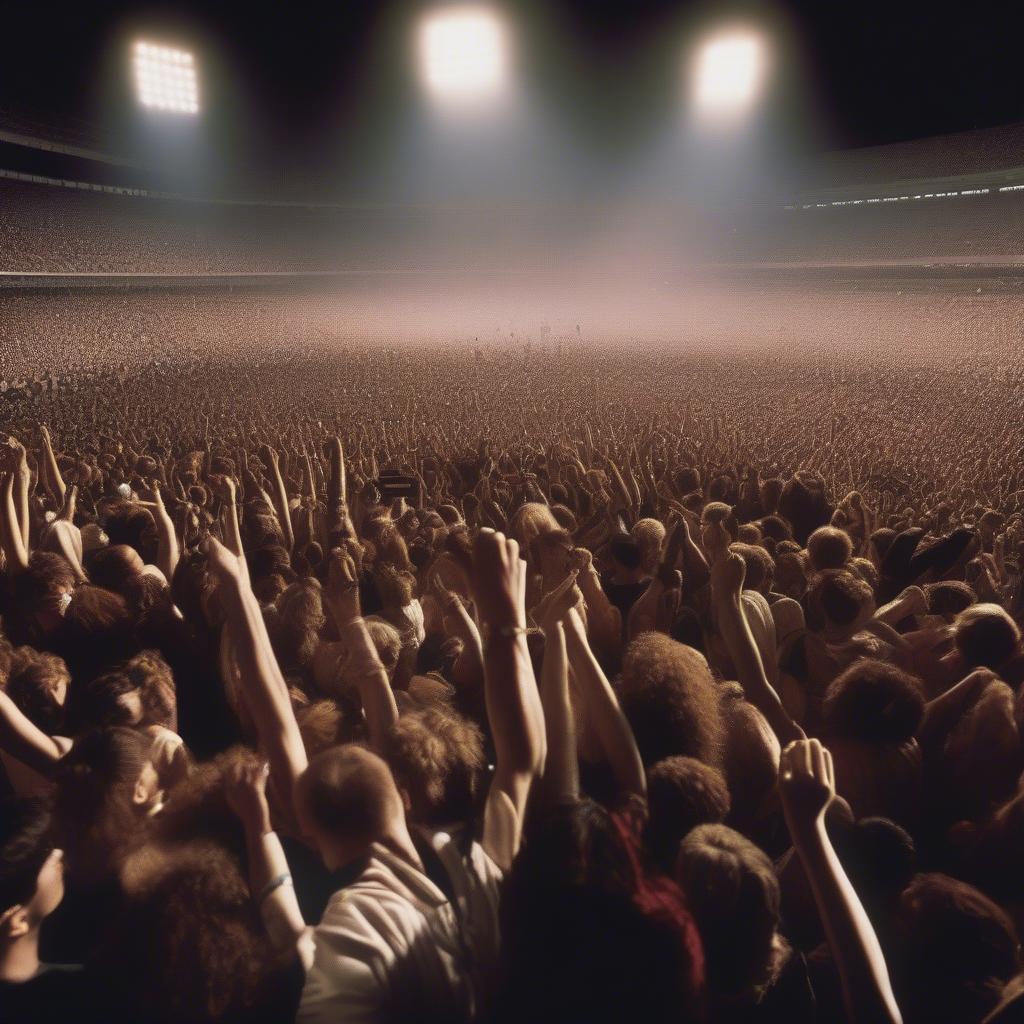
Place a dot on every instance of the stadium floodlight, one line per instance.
(728, 73)
(165, 78)
(463, 53)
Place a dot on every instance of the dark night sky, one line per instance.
(287, 86)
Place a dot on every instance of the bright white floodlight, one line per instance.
(165, 79)
(463, 53)
(728, 73)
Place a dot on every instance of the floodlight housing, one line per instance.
(165, 78)
(463, 53)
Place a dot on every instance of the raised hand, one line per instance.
(342, 590)
(498, 580)
(224, 566)
(555, 605)
(245, 789)
(807, 785)
(728, 572)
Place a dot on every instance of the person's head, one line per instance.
(649, 535)
(40, 594)
(880, 859)
(188, 944)
(138, 692)
(839, 604)
(106, 786)
(551, 551)
(985, 636)
(873, 702)
(771, 491)
(760, 574)
(346, 800)
(127, 523)
(387, 641)
(829, 548)
(790, 574)
(682, 793)
(626, 555)
(37, 682)
(958, 951)
(436, 757)
(295, 628)
(671, 700)
(116, 567)
(31, 870)
(733, 893)
(949, 597)
(395, 587)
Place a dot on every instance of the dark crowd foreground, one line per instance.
(668, 689)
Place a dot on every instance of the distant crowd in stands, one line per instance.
(467, 708)
(48, 228)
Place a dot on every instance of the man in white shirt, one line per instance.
(415, 935)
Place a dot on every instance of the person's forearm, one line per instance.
(268, 866)
(513, 704)
(23, 740)
(21, 503)
(746, 660)
(10, 532)
(561, 782)
(867, 991)
(375, 691)
(55, 480)
(264, 690)
(168, 552)
(603, 711)
(604, 620)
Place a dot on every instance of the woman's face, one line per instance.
(147, 789)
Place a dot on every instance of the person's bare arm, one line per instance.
(942, 713)
(341, 595)
(25, 741)
(561, 781)
(22, 479)
(807, 787)
(604, 620)
(498, 579)
(168, 551)
(50, 474)
(727, 576)
(263, 687)
(280, 493)
(14, 549)
(270, 880)
(603, 711)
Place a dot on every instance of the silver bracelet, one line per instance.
(273, 885)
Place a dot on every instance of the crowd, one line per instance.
(378, 698)
(50, 228)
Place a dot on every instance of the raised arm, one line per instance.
(263, 687)
(168, 552)
(727, 577)
(602, 710)
(15, 551)
(561, 782)
(280, 493)
(25, 741)
(48, 470)
(807, 787)
(341, 596)
(498, 579)
(270, 880)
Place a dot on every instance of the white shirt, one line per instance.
(393, 947)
